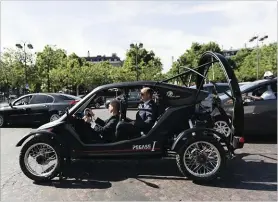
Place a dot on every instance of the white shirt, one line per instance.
(145, 103)
(268, 95)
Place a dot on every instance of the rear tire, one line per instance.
(54, 117)
(189, 163)
(25, 167)
(222, 126)
(2, 121)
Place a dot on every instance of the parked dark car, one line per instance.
(260, 116)
(221, 87)
(36, 108)
(95, 103)
(134, 99)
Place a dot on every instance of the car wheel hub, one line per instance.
(41, 159)
(202, 159)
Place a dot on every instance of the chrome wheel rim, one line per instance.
(202, 159)
(97, 105)
(41, 159)
(222, 127)
(54, 117)
(1, 120)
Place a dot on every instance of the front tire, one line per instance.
(47, 151)
(202, 158)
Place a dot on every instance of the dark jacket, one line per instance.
(146, 116)
(107, 128)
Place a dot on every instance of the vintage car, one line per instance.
(183, 128)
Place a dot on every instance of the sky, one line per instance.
(166, 27)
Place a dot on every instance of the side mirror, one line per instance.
(10, 104)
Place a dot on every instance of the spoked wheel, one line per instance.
(222, 127)
(40, 160)
(201, 158)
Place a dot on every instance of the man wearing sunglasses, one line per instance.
(145, 117)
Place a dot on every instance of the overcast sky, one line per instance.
(166, 27)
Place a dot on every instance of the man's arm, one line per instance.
(108, 130)
(255, 97)
(150, 114)
(100, 122)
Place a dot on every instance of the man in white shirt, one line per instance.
(266, 95)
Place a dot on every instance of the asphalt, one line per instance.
(251, 176)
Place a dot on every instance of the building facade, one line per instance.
(113, 59)
(232, 52)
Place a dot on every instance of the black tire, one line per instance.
(181, 163)
(24, 149)
(53, 114)
(2, 121)
(97, 105)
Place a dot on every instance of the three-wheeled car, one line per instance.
(183, 127)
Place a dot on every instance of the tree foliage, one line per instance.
(72, 72)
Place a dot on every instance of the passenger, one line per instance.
(105, 130)
(145, 117)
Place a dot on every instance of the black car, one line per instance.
(221, 87)
(36, 108)
(260, 116)
(182, 130)
(134, 99)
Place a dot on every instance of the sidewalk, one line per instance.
(3, 104)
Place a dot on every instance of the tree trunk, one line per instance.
(77, 90)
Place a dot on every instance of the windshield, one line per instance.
(242, 88)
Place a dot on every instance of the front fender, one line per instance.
(189, 134)
(37, 133)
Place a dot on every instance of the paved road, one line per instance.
(252, 176)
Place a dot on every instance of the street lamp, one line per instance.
(258, 58)
(30, 46)
(137, 47)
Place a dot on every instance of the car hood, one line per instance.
(50, 124)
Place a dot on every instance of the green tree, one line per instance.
(47, 60)
(149, 66)
(191, 58)
(247, 70)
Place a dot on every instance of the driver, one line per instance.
(263, 95)
(105, 128)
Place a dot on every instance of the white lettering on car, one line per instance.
(144, 147)
(153, 145)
